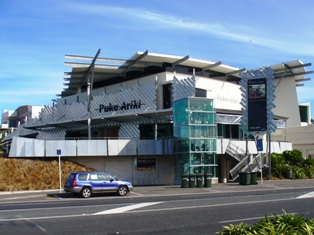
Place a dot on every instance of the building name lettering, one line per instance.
(227, 99)
(134, 104)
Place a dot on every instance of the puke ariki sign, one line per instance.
(134, 104)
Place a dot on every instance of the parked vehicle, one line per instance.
(85, 184)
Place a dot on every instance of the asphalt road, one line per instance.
(149, 210)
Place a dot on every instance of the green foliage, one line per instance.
(298, 173)
(309, 162)
(241, 229)
(293, 158)
(278, 165)
(309, 172)
(277, 224)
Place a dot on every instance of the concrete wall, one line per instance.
(123, 167)
(302, 139)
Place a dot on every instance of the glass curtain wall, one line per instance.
(194, 137)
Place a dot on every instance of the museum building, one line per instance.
(154, 117)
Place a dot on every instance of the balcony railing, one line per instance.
(26, 147)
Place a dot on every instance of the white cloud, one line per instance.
(230, 32)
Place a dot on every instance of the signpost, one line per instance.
(59, 156)
(257, 87)
(259, 147)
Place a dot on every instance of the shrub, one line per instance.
(278, 165)
(281, 224)
(293, 158)
(309, 162)
(298, 173)
(309, 172)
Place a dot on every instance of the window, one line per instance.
(167, 96)
(146, 164)
(200, 93)
(147, 131)
(303, 113)
(164, 131)
(82, 177)
(104, 177)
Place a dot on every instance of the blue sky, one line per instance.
(35, 36)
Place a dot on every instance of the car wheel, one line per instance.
(123, 190)
(86, 192)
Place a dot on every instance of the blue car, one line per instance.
(85, 184)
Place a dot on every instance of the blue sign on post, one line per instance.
(58, 151)
(259, 145)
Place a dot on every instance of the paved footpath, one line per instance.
(228, 187)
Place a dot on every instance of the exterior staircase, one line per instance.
(246, 162)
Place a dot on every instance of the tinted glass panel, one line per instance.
(104, 177)
(200, 93)
(167, 101)
(82, 177)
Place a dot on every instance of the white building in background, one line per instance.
(154, 117)
(14, 118)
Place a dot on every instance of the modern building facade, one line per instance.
(153, 117)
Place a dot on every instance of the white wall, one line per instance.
(226, 95)
(286, 101)
(35, 110)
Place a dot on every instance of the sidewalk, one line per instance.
(227, 187)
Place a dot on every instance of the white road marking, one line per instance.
(137, 211)
(126, 208)
(307, 195)
(139, 194)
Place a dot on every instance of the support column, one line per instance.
(224, 169)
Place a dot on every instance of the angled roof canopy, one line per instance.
(109, 69)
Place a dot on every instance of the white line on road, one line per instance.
(307, 195)
(126, 208)
(138, 211)
(139, 194)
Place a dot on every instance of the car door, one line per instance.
(109, 184)
(96, 182)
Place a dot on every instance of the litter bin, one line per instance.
(208, 180)
(199, 180)
(192, 179)
(253, 177)
(289, 174)
(185, 181)
(244, 178)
